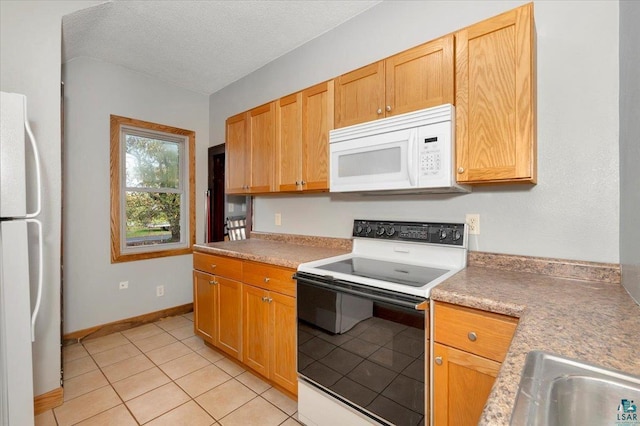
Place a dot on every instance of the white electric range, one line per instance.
(361, 333)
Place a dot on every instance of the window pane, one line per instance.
(152, 163)
(152, 218)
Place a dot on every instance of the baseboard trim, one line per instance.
(124, 324)
(47, 401)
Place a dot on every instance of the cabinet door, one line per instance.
(317, 120)
(263, 143)
(420, 77)
(289, 163)
(495, 99)
(204, 296)
(283, 341)
(237, 154)
(462, 383)
(256, 329)
(359, 95)
(229, 316)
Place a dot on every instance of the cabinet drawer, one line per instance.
(218, 265)
(270, 277)
(481, 333)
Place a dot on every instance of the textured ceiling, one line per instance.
(200, 45)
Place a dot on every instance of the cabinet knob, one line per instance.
(264, 298)
(460, 169)
(266, 279)
(379, 111)
(269, 300)
(438, 360)
(303, 183)
(297, 183)
(472, 336)
(388, 108)
(213, 282)
(213, 266)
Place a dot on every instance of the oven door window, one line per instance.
(371, 354)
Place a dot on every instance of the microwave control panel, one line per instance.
(430, 156)
(434, 152)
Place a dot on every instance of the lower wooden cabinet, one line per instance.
(218, 311)
(254, 320)
(229, 317)
(469, 347)
(462, 383)
(269, 337)
(282, 360)
(204, 299)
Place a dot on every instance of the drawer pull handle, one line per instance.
(266, 279)
(438, 360)
(472, 336)
(213, 266)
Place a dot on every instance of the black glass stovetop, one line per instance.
(401, 273)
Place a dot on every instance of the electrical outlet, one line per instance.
(124, 285)
(473, 222)
(231, 207)
(160, 291)
(278, 219)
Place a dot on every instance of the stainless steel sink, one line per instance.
(558, 391)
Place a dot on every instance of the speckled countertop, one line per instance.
(591, 318)
(279, 249)
(592, 321)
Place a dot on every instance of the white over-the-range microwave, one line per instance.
(408, 153)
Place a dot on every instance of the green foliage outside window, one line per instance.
(154, 190)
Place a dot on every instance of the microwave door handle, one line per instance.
(413, 139)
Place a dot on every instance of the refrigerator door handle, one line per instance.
(36, 156)
(34, 315)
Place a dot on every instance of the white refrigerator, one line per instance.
(18, 309)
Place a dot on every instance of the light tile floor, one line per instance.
(162, 374)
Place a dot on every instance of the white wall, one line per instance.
(30, 40)
(93, 91)
(630, 147)
(572, 213)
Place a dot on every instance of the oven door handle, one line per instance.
(354, 292)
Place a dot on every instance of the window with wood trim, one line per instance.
(152, 190)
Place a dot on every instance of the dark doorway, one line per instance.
(215, 185)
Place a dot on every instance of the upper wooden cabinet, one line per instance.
(262, 133)
(250, 150)
(317, 120)
(238, 154)
(289, 137)
(495, 99)
(304, 120)
(417, 78)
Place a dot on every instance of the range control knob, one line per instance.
(380, 231)
(358, 229)
(456, 235)
(367, 230)
(443, 234)
(391, 230)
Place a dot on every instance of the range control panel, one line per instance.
(435, 233)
